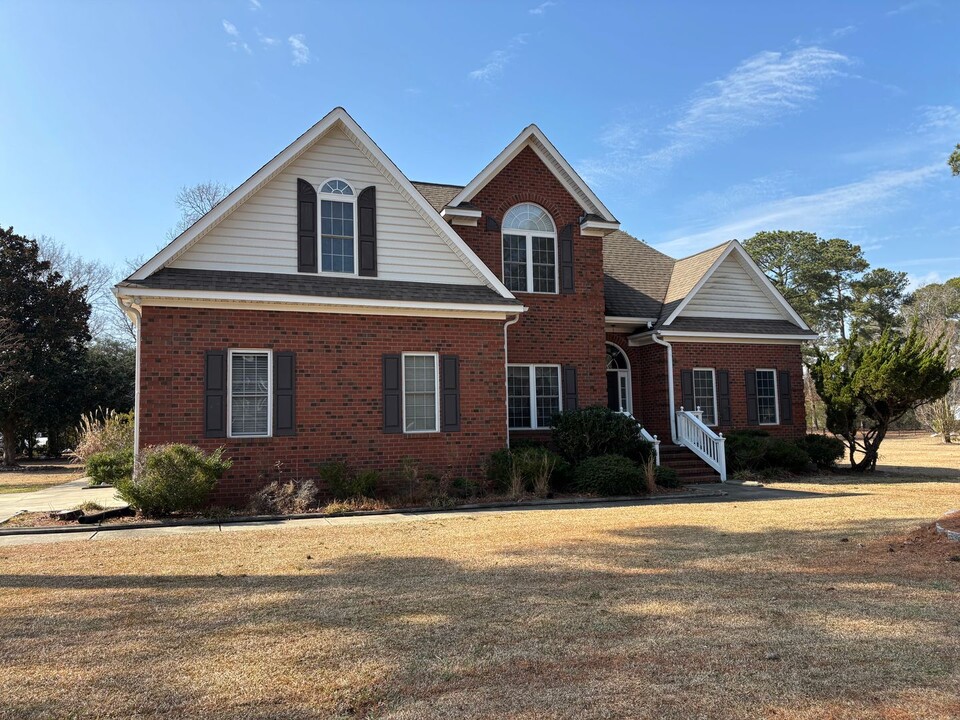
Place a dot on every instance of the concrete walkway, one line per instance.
(732, 493)
(58, 497)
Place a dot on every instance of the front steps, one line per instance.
(689, 467)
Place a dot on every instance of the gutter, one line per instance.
(506, 389)
(658, 339)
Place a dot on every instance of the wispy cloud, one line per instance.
(841, 204)
(267, 40)
(757, 92)
(909, 7)
(255, 5)
(298, 46)
(236, 42)
(498, 60)
(542, 8)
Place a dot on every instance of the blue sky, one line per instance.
(694, 122)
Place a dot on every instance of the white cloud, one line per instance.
(267, 40)
(910, 7)
(237, 43)
(255, 5)
(541, 8)
(828, 208)
(498, 60)
(298, 46)
(840, 32)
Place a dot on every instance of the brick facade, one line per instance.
(564, 329)
(339, 391)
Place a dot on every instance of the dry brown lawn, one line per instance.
(37, 475)
(753, 609)
(916, 453)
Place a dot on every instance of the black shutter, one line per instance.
(367, 231)
(215, 393)
(492, 224)
(723, 398)
(450, 393)
(566, 259)
(686, 390)
(306, 227)
(392, 395)
(750, 381)
(569, 387)
(284, 393)
(785, 392)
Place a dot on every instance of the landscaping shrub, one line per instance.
(594, 431)
(757, 450)
(527, 469)
(103, 431)
(344, 485)
(667, 477)
(173, 478)
(110, 467)
(609, 475)
(824, 450)
(285, 497)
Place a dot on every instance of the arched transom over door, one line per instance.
(619, 390)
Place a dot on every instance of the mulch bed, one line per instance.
(922, 545)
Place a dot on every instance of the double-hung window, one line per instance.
(705, 394)
(529, 250)
(421, 408)
(768, 412)
(249, 403)
(337, 228)
(533, 395)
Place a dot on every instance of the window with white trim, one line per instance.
(421, 393)
(768, 410)
(250, 400)
(533, 396)
(619, 395)
(529, 250)
(705, 394)
(338, 237)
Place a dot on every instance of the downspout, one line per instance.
(506, 390)
(670, 398)
(129, 307)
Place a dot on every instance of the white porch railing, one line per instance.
(652, 439)
(701, 440)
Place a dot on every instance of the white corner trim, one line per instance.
(532, 136)
(769, 289)
(287, 156)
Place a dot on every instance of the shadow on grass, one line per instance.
(720, 624)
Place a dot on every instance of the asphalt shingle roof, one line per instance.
(635, 276)
(439, 196)
(318, 286)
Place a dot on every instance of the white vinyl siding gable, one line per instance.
(261, 234)
(733, 291)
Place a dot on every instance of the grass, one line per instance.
(36, 475)
(720, 610)
(919, 451)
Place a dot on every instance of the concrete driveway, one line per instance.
(58, 497)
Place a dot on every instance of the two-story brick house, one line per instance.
(331, 309)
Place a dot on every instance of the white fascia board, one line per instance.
(282, 160)
(459, 212)
(532, 132)
(728, 337)
(266, 299)
(595, 228)
(622, 320)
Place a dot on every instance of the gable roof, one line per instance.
(337, 117)
(438, 195)
(635, 277)
(687, 273)
(533, 137)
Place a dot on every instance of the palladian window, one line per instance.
(529, 250)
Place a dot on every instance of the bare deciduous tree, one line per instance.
(195, 201)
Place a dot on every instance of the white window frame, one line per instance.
(716, 408)
(249, 351)
(621, 374)
(436, 390)
(776, 394)
(532, 377)
(528, 236)
(352, 199)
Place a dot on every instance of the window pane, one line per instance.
(336, 236)
(249, 388)
(548, 394)
(767, 397)
(336, 187)
(703, 395)
(544, 265)
(419, 393)
(527, 217)
(515, 262)
(518, 397)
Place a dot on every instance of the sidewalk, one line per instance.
(58, 497)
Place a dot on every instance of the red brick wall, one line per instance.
(737, 359)
(339, 392)
(558, 329)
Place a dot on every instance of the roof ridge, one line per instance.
(706, 250)
(436, 184)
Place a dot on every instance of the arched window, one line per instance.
(529, 250)
(619, 390)
(338, 237)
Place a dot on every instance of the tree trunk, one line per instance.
(9, 445)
